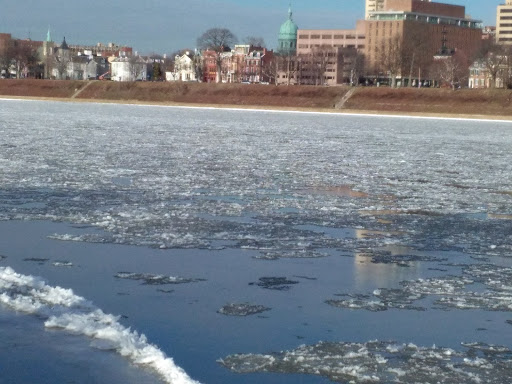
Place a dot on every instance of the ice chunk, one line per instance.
(243, 309)
(275, 283)
(383, 362)
(151, 279)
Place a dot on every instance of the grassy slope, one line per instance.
(497, 102)
(435, 101)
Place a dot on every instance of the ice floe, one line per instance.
(62, 309)
(62, 263)
(242, 309)
(301, 254)
(151, 279)
(449, 292)
(275, 283)
(384, 362)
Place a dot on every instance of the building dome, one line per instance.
(289, 28)
(288, 35)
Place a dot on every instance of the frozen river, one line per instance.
(179, 245)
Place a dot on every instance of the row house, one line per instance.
(185, 68)
(255, 65)
(81, 68)
(133, 68)
(209, 67)
(480, 75)
(63, 64)
(245, 64)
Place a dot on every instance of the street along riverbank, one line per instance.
(495, 103)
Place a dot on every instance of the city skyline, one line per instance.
(162, 27)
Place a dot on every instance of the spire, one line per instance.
(290, 13)
(64, 45)
(48, 36)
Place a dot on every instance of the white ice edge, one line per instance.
(67, 311)
(256, 109)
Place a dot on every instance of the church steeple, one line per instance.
(48, 36)
(64, 45)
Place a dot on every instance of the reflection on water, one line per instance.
(368, 273)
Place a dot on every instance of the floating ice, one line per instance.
(275, 283)
(40, 260)
(384, 362)
(151, 279)
(62, 264)
(386, 257)
(243, 309)
(301, 254)
(65, 310)
(449, 292)
(189, 186)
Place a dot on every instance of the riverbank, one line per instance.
(491, 104)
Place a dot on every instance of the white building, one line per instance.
(184, 69)
(504, 23)
(373, 6)
(128, 69)
(378, 5)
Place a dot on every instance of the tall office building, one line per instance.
(373, 6)
(504, 23)
(421, 28)
(378, 5)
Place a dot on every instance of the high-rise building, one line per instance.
(378, 5)
(419, 29)
(504, 23)
(373, 6)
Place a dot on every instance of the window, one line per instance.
(315, 36)
(326, 36)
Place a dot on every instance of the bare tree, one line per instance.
(313, 65)
(355, 63)
(6, 60)
(288, 66)
(269, 69)
(391, 58)
(60, 64)
(137, 65)
(495, 61)
(416, 53)
(217, 40)
(24, 57)
(451, 70)
(254, 41)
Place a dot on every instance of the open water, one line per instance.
(181, 245)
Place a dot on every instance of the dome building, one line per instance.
(287, 42)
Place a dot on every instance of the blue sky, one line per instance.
(163, 26)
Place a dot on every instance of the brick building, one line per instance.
(417, 29)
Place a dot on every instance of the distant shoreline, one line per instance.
(490, 105)
(418, 115)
